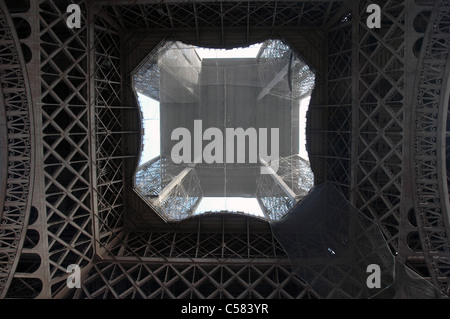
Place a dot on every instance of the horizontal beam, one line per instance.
(200, 261)
(137, 2)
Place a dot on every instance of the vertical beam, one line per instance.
(408, 189)
(248, 23)
(221, 25)
(355, 102)
(91, 11)
(195, 206)
(197, 34)
(38, 190)
(295, 126)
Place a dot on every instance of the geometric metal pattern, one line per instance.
(432, 91)
(198, 264)
(336, 108)
(223, 14)
(66, 140)
(153, 176)
(107, 131)
(174, 192)
(15, 101)
(379, 110)
(277, 193)
(380, 118)
(167, 280)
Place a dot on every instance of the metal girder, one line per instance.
(287, 190)
(165, 192)
(431, 165)
(77, 99)
(15, 99)
(178, 281)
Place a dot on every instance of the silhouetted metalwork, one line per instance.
(377, 128)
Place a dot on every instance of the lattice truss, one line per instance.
(66, 141)
(382, 144)
(109, 130)
(15, 101)
(198, 15)
(337, 128)
(168, 56)
(174, 190)
(277, 194)
(381, 119)
(431, 164)
(66, 85)
(146, 80)
(220, 264)
(152, 177)
(81, 138)
(275, 57)
(184, 198)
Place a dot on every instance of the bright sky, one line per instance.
(248, 52)
(230, 204)
(304, 105)
(152, 135)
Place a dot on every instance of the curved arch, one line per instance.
(15, 94)
(442, 145)
(432, 202)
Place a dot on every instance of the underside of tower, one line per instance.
(372, 194)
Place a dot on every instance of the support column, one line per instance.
(355, 103)
(91, 9)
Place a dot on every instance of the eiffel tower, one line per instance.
(73, 190)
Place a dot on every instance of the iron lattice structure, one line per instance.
(180, 200)
(277, 194)
(299, 83)
(377, 128)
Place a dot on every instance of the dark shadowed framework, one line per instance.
(377, 129)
